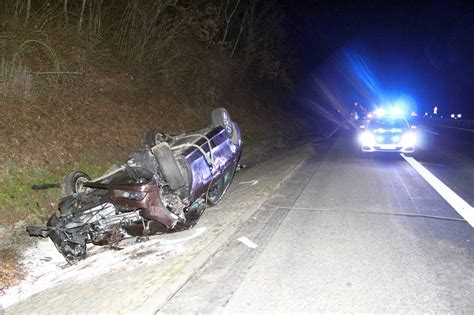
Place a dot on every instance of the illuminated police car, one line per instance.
(388, 133)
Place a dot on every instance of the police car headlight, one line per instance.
(367, 139)
(408, 139)
(132, 195)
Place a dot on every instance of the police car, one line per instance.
(388, 133)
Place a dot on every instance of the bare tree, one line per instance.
(228, 20)
(65, 11)
(81, 16)
(240, 33)
(28, 11)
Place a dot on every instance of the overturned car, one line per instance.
(163, 187)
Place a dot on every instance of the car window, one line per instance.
(388, 124)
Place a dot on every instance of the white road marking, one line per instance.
(435, 133)
(458, 128)
(462, 207)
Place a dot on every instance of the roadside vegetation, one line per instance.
(81, 82)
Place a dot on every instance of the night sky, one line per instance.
(370, 51)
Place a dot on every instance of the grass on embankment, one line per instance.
(20, 203)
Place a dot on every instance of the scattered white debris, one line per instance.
(251, 183)
(194, 233)
(45, 267)
(247, 242)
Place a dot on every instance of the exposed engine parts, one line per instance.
(163, 187)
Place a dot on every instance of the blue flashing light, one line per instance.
(389, 112)
(396, 111)
(379, 112)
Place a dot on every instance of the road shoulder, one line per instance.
(141, 277)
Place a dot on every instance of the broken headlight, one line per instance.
(132, 195)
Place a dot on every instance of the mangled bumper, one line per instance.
(69, 243)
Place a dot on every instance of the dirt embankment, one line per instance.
(44, 139)
(79, 90)
(112, 118)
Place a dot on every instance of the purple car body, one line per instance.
(163, 187)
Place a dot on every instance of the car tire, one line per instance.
(153, 137)
(221, 117)
(168, 166)
(74, 183)
(218, 189)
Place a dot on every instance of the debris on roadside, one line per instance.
(244, 240)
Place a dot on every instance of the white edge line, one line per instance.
(435, 133)
(462, 207)
(458, 128)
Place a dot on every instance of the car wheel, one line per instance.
(74, 183)
(221, 117)
(153, 137)
(168, 166)
(219, 188)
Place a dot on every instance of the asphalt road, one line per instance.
(449, 154)
(350, 233)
